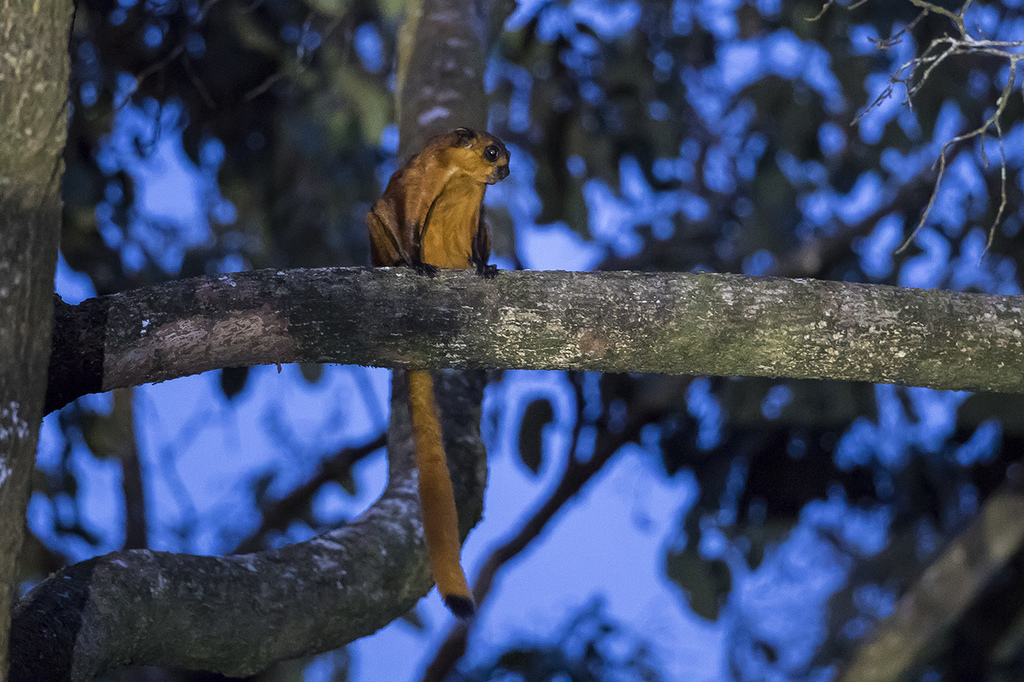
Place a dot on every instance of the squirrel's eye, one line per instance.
(491, 153)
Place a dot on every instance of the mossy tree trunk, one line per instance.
(33, 90)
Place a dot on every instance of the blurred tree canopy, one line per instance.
(752, 137)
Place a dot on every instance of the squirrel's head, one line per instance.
(479, 155)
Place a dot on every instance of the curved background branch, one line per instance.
(142, 607)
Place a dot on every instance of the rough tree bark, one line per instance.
(726, 325)
(33, 89)
(441, 69)
(689, 323)
(239, 614)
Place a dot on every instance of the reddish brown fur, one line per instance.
(437, 497)
(430, 216)
(430, 211)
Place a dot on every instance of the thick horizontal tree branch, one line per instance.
(239, 614)
(676, 323)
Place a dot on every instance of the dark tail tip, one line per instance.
(461, 606)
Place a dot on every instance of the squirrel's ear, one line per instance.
(464, 136)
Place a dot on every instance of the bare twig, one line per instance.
(829, 3)
(197, 81)
(824, 8)
(914, 74)
(957, 19)
(992, 121)
(163, 63)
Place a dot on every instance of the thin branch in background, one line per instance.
(917, 72)
(197, 82)
(957, 19)
(163, 63)
(829, 3)
(824, 8)
(331, 27)
(135, 524)
(1002, 185)
(204, 10)
(816, 256)
(267, 83)
(991, 122)
(300, 46)
(302, 58)
(891, 41)
(283, 511)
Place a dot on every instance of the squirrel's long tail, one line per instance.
(440, 519)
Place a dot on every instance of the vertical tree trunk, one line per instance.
(441, 62)
(33, 91)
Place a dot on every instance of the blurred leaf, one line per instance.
(260, 486)
(232, 380)
(332, 8)
(101, 434)
(706, 582)
(392, 8)
(349, 485)
(311, 371)
(537, 415)
(372, 104)
(412, 617)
